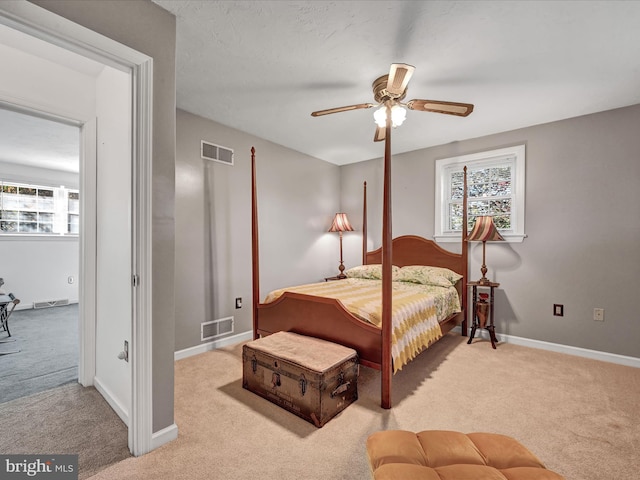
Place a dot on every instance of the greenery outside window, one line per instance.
(38, 210)
(495, 186)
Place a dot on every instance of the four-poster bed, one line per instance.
(328, 319)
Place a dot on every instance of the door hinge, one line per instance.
(135, 280)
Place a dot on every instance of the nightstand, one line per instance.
(482, 309)
(337, 277)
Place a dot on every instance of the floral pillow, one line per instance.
(426, 275)
(370, 272)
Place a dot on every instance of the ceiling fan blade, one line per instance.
(399, 76)
(381, 132)
(450, 108)
(342, 109)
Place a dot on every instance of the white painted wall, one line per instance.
(37, 269)
(113, 293)
(42, 176)
(60, 90)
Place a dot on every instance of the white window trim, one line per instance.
(515, 235)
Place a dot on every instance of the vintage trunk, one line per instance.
(310, 377)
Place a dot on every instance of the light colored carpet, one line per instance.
(578, 415)
(70, 419)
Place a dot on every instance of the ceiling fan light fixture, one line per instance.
(389, 91)
(380, 117)
(398, 115)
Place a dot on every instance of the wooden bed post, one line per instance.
(254, 244)
(465, 256)
(364, 226)
(386, 364)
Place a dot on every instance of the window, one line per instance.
(495, 185)
(38, 210)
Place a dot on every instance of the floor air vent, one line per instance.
(217, 153)
(51, 303)
(216, 328)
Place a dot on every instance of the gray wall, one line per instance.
(582, 224)
(151, 30)
(297, 198)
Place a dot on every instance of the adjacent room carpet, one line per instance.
(43, 410)
(69, 419)
(579, 416)
(48, 342)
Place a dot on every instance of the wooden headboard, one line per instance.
(415, 250)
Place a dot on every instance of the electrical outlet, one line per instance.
(239, 302)
(598, 314)
(558, 310)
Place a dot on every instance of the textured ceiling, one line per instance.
(263, 66)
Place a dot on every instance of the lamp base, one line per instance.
(484, 281)
(341, 269)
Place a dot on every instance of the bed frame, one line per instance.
(326, 318)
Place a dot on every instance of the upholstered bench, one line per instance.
(447, 455)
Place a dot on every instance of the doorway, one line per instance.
(73, 39)
(39, 248)
(103, 175)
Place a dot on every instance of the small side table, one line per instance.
(477, 310)
(337, 277)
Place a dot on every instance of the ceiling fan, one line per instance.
(389, 91)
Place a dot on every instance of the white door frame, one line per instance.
(45, 25)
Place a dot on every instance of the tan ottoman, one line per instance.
(447, 455)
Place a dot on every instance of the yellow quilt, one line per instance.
(416, 309)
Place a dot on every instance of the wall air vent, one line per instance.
(51, 303)
(216, 328)
(217, 153)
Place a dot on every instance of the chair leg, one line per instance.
(4, 324)
(5, 313)
(4, 321)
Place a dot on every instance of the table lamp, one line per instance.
(341, 224)
(484, 231)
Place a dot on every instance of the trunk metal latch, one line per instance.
(303, 385)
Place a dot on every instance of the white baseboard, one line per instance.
(158, 438)
(206, 347)
(29, 305)
(120, 409)
(166, 435)
(556, 347)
